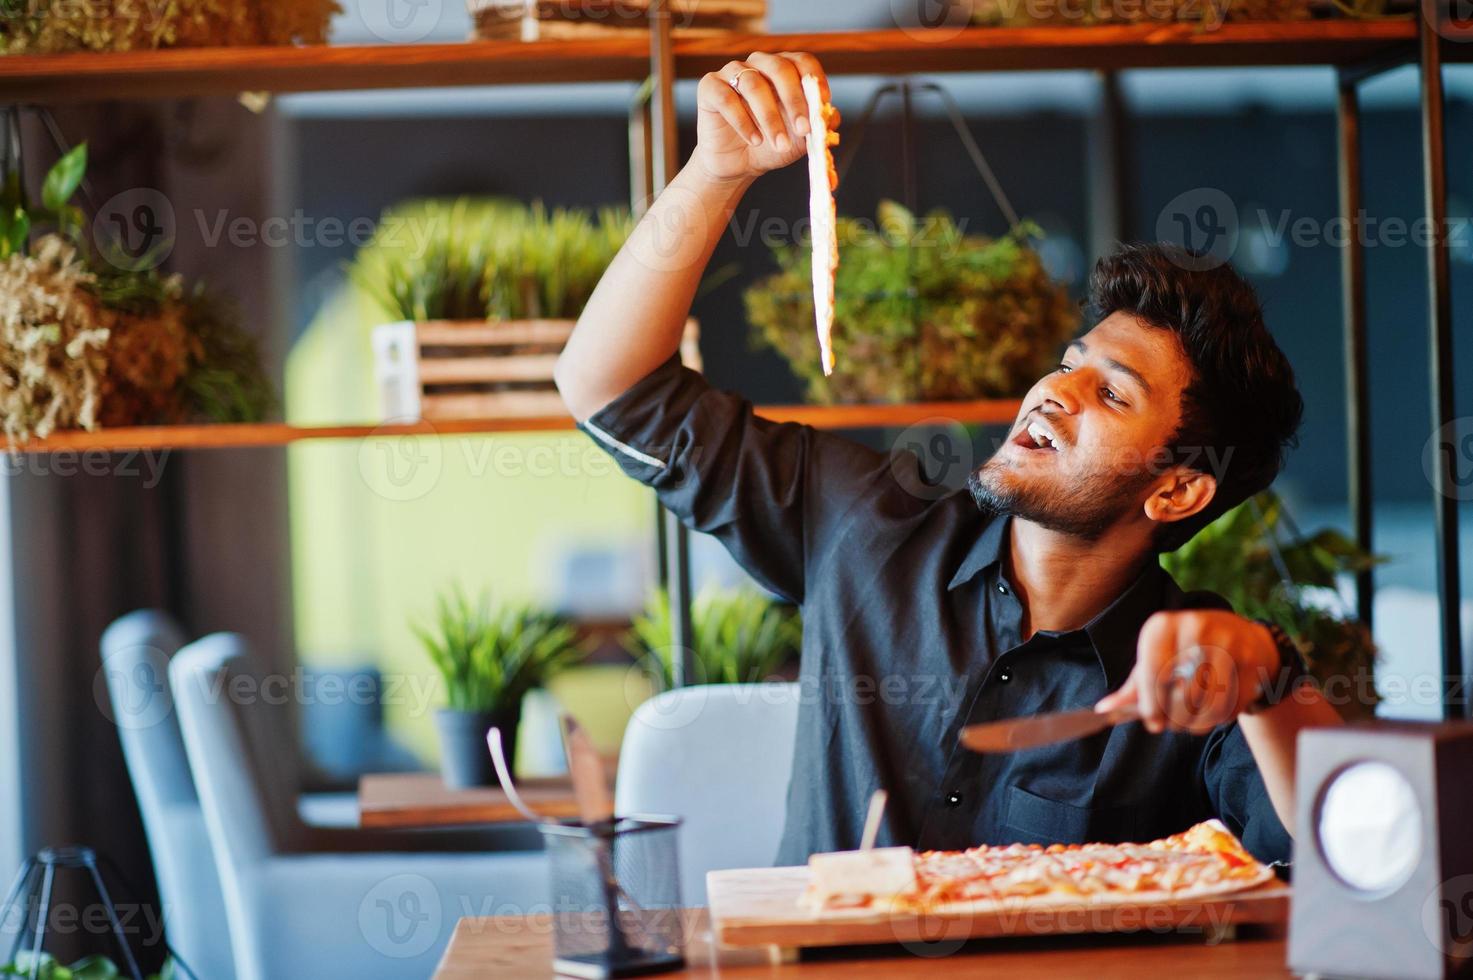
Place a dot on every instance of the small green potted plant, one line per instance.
(1256, 558)
(741, 637)
(489, 658)
(922, 312)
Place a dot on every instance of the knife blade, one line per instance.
(1015, 734)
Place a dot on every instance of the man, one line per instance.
(1037, 590)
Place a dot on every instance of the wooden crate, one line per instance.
(555, 20)
(459, 369)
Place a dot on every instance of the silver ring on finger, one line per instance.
(734, 80)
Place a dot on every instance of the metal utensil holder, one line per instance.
(616, 897)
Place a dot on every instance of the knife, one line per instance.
(596, 811)
(1016, 734)
(590, 784)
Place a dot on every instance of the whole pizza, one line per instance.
(1205, 860)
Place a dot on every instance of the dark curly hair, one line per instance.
(1241, 409)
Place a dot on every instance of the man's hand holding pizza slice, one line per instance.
(752, 116)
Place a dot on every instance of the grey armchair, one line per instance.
(308, 902)
(136, 651)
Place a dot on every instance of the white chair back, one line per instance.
(719, 756)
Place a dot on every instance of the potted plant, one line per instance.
(489, 659)
(90, 343)
(922, 312)
(1206, 16)
(482, 294)
(1257, 559)
(740, 637)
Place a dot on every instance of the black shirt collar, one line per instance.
(986, 550)
(1112, 633)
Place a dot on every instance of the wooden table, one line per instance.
(421, 799)
(521, 946)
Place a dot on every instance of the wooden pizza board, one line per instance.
(759, 907)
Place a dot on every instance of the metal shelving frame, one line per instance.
(1429, 57)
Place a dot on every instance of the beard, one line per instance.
(1082, 505)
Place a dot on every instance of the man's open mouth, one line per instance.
(1036, 436)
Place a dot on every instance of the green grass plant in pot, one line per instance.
(922, 312)
(741, 637)
(489, 658)
(480, 258)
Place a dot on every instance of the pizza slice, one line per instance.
(823, 180)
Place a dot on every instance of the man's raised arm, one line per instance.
(634, 319)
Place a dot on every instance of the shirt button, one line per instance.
(953, 799)
(1005, 674)
(1002, 588)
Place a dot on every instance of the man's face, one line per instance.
(1088, 444)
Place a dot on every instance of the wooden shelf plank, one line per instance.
(265, 434)
(186, 72)
(1067, 48)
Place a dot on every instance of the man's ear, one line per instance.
(1181, 493)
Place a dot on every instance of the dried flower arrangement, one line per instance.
(51, 26)
(922, 312)
(85, 344)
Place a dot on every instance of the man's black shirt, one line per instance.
(911, 630)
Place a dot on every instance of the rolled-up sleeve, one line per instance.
(769, 491)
